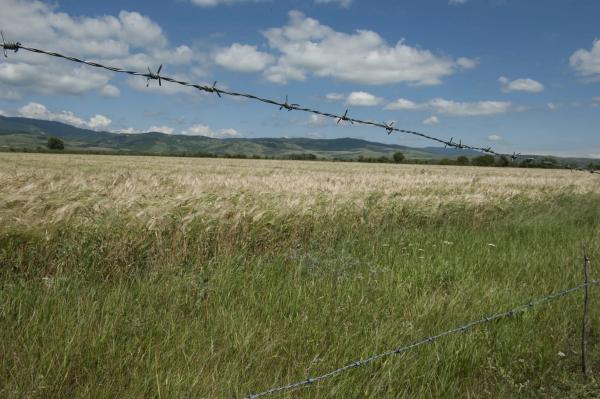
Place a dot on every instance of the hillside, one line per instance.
(24, 133)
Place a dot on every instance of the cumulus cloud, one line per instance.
(341, 3)
(8, 94)
(453, 108)
(99, 122)
(335, 97)
(126, 39)
(587, 62)
(204, 130)
(528, 85)
(110, 91)
(552, 106)
(214, 3)
(129, 130)
(363, 99)
(317, 121)
(314, 135)
(308, 47)
(467, 63)
(243, 58)
(432, 120)
(494, 137)
(402, 104)
(39, 111)
(161, 129)
(50, 79)
(478, 108)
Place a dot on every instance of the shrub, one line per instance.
(399, 157)
(54, 143)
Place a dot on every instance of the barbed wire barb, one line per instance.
(154, 76)
(428, 340)
(390, 128)
(14, 46)
(288, 106)
(345, 118)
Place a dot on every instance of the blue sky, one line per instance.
(515, 75)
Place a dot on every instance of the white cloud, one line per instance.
(170, 89)
(99, 122)
(335, 97)
(315, 120)
(3, 113)
(161, 129)
(204, 130)
(214, 3)
(432, 120)
(456, 2)
(8, 94)
(314, 135)
(467, 63)
(120, 40)
(528, 85)
(402, 104)
(494, 137)
(587, 63)
(596, 101)
(453, 108)
(39, 111)
(478, 108)
(229, 133)
(341, 3)
(363, 99)
(552, 106)
(51, 79)
(308, 47)
(110, 91)
(129, 130)
(243, 58)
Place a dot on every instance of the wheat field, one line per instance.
(216, 278)
(50, 189)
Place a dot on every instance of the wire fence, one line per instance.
(285, 105)
(150, 76)
(389, 128)
(431, 339)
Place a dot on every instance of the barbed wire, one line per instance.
(389, 127)
(457, 330)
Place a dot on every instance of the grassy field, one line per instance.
(171, 277)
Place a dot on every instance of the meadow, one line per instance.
(216, 278)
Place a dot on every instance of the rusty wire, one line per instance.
(431, 339)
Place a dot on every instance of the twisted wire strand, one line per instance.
(282, 105)
(431, 339)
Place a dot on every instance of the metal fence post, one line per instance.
(585, 323)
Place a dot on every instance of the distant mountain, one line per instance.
(33, 133)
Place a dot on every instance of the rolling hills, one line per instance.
(31, 134)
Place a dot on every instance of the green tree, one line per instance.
(54, 143)
(502, 161)
(399, 157)
(463, 160)
(484, 160)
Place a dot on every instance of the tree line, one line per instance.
(56, 144)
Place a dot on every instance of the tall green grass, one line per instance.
(109, 308)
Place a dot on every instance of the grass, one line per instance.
(160, 277)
